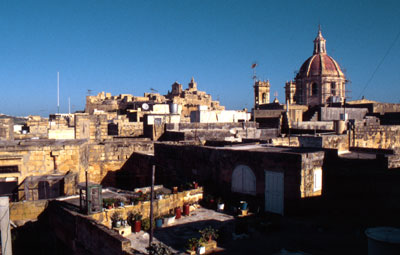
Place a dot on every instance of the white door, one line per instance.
(274, 192)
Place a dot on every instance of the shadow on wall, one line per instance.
(135, 173)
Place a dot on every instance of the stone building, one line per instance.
(191, 98)
(277, 178)
(261, 93)
(320, 80)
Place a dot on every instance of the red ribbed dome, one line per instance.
(320, 64)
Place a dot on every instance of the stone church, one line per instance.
(320, 80)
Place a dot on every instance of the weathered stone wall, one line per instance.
(161, 206)
(62, 133)
(38, 157)
(38, 126)
(6, 129)
(214, 166)
(369, 134)
(27, 210)
(309, 164)
(106, 158)
(92, 127)
(313, 125)
(76, 230)
(46, 157)
(333, 113)
(126, 128)
(292, 141)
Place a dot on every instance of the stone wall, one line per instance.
(92, 127)
(41, 157)
(38, 126)
(370, 134)
(333, 113)
(6, 129)
(106, 158)
(214, 166)
(161, 206)
(75, 230)
(46, 157)
(26, 210)
(63, 133)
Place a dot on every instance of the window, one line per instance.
(264, 98)
(314, 89)
(8, 169)
(157, 121)
(333, 88)
(317, 179)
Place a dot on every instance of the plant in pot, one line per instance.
(108, 203)
(146, 224)
(169, 218)
(192, 243)
(209, 233)
(159, 195)
(220, 204)
(134, 219)
(116, 219)
(158, 249)
(201, 249)
(159, 222)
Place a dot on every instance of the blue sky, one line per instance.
(131, 46)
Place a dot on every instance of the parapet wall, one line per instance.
(161, 206)
(76, 230)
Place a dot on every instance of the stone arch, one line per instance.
(264, 98)
(243, 180)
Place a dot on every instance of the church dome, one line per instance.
(320, 64)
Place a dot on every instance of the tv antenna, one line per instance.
(153, 90)
(89, 92)
(253, 66)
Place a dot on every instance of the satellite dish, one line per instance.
(145, 106)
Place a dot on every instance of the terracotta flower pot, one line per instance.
(137, 226)
(178, 213)
(186, 210)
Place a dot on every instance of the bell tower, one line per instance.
(261, 93)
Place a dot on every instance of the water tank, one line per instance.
(383, 240)
(173, 108)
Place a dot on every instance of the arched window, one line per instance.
(264, 98)
(243, 180)
(314, 89)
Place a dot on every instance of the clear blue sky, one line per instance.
(131, 46)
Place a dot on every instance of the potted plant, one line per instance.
(169, 218)
(243, 205)
(159, 195)
(158, 249)
(146, 224)
(134, 219)
(220, 204)
(116, 219)
(209, 233)
(186, 209)
(159, 222)
(108, 203)
(192, 244)
(201, 249)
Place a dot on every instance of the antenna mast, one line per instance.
(58, 92)
(69, 105)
